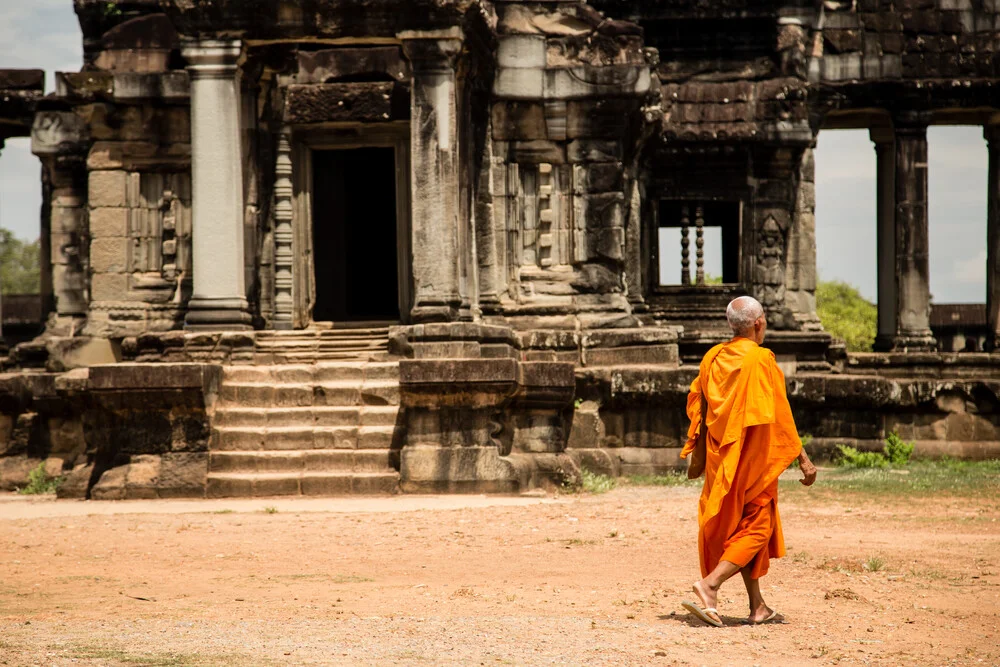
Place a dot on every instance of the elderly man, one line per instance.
(750, 440)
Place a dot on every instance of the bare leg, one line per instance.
(758, 608)
(707, 589)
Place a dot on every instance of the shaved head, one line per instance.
(742, 313)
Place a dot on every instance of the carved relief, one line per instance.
(769, 273)
(159, 215)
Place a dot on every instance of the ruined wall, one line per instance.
(566, 115)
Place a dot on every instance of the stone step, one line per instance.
(319, 372)
(284, 438)
(380, 415)
(384, 436)
(301, 460)
(267, 395)
(230, 485)
(307, 417)
(372, 332)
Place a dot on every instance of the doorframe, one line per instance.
(344, 136)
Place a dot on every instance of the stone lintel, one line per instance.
(333, 102)
(22, 79)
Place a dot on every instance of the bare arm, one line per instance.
(807, 468)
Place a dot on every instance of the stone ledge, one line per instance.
(153, 377)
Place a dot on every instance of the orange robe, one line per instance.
(751, 440)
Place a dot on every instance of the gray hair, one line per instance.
(742, 312)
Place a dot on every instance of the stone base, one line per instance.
(218, 314)
(922, 342)
(429, 469)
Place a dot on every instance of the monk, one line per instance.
(751, 439)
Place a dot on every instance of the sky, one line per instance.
(44, 34)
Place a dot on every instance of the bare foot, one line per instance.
(708, 597)
(760, 614)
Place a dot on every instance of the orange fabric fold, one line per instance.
(751, 439)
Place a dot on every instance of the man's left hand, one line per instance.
(809, 470)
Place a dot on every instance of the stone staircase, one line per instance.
(316, 429)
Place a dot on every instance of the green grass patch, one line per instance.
(947, 477)
(666, 479)
(874, 563)
(595, 482)
(39, 482)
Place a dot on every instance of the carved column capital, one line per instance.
(432, 50)
(911, 123)
(882, 136)
(212, 58)
(991, 132)
(59, 133)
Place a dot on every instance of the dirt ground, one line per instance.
(578, 579)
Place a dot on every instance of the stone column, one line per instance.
(219, 297)
(61, 140)
(434, 173)
(885, 156)
(913, 296)
(992, 134)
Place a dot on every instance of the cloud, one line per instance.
(42, 34)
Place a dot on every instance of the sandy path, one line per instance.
(587, 580)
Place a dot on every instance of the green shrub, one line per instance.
(39, 482)
(897, 451)
(850, 457)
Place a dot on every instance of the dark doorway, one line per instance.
(354, 235)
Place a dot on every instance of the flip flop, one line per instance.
(774, 617)
(703, 614)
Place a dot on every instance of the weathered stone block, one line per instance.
(536, 152)
(328, 65)
(597, 177)
(521, 51)
(594, 150)
(107, 188)
(608, 243)
(79, 352)
(521, 121)
(76, 483)
(600, 118)
(14, 471)
(109, 286)
(109, 255)
(108, 222)
(183, 474)
(518, 84)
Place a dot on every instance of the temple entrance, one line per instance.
(355, 235)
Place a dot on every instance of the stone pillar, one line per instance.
(219, 297)
(61, 140)
(913, 296)
(885, 155)
(434, 173)
(992, 135)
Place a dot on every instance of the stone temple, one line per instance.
(368, 246)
